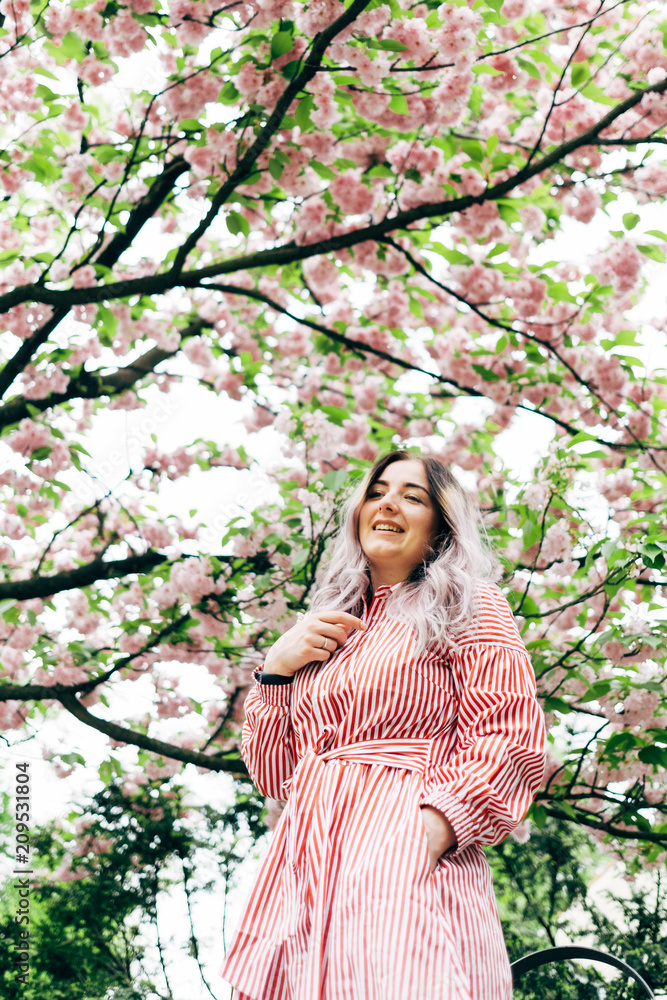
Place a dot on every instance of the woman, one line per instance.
(398, 718)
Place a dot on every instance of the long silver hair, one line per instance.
(438, 598)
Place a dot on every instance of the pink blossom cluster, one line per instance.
(191, 19)
(217, 156)
(583, 204)
(557, 544)
(318, 15)
(456, 41)
(190, 579)
(173, 465)
(619, 266)
(189, 98)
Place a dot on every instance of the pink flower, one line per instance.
(123, 35)
(353, 197)
(188, 99)
(189, 17)
(536, 496)
(557, 545)
(521, 833)
(620, 266)
(84, 277)
(511, 76)
(260, 417)
(318, 15)
(583, 204)
(94, 71)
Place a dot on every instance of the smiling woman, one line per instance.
(397, 522)
(399, 720)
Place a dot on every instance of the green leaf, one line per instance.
(529, 68)
(538, 814)
(653, 755)
(281, 44)
(486, 69)
(236, 223)
(486, 374)
(7, 256)
(473, 149)
(659, 235)
(335, 479)
(581, 436)
(630, 220)
(275, 168)
(71, 47)
(387, 44)
(399, 105)
(229, 94)
(326, 173)
(598, 95)
(596, 691)
(336, 414)
(497, 249)
(579, 73)
(191, 124)
(299, 558)
(302, 114)
(652, 251)
(453, 256)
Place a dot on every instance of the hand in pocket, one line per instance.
(440, 836)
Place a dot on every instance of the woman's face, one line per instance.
(397, 522)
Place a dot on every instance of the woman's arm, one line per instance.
(267, 742)
(485, 789)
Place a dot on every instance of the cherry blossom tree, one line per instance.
(338, 215)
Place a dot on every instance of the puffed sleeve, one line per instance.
(486, 787)
(267, 740)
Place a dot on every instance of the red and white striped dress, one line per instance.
(344, 907)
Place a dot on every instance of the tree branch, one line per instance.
(122, 734)
(160, 283)
(251, 155)
(69, 701)
(82, 576)
(585, 819)
(95, 384)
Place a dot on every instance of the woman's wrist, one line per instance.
(262, 677)
(270, 666)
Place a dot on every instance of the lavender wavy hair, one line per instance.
(438, 597)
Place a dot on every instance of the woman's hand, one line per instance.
(440, 835)
(315, 637)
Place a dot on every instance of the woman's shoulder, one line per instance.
(492, 621)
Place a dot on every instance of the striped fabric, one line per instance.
(344, 907)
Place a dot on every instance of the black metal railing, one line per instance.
(547, 955)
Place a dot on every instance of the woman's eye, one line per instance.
(372, 494)
(418, 499)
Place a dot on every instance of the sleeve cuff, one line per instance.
(272, 692)
(458, 815)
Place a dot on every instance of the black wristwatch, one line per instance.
(263, 678)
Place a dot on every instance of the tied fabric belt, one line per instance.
(305, 806)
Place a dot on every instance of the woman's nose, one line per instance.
(388, 502)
